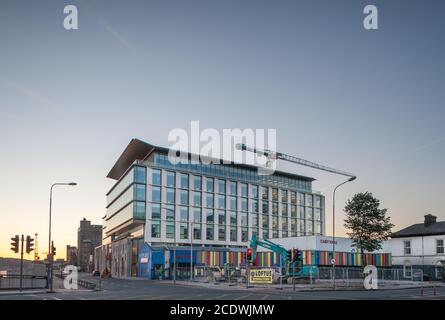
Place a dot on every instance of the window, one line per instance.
(265, 233)
(293, 227)
(156, 194)
(184, 197)
(169, 212)
(243, 204)
(244, 235)
(221, 217)
(139, 174)
(197, 183)
(284, 210)
(255, 220)
(155, 211)
(309, 213)
(244, 221)
(209, 185)
(221, 202)
(407, 271)
(301, 199)
(407, 247)
(209, 232)
(274, 208)
(255, 206)
(233, 188)
(139, 192)
(184, 181)
(170, 195)
(265, 207)
(309, 200)
(317, 201)
(209, 200)
(197, 231)
(233, 233)
(243, 187)
(170, 229)
(197, 198)
(293, 197)
(284, 196)
(156, 177)
(317, 214)
(170, 179)
(183, 231)
(233, 218)
(274, 194)
(155, 228)
(309, 227)
(222, 233)
(317, 227)
(221, 186)
(265, 221)
(197, 215)
(184, 214)
(139, 210)
(264, 193)
(232, 203)
(293, 211)
(439, 246)
(210, 216)
(255, 192)
(301, 212)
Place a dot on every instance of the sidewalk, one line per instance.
(320, 286)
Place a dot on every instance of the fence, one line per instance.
(81, 283)
(28, 282)
(383, 274)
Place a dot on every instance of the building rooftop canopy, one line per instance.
(428, 228)
(140, 150)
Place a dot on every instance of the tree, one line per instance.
(368, 224)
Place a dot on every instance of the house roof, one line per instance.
(140, 150)
(419, 229)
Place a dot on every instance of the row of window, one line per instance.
(407, 247)
(232, 172)
(184, 232)
(231, 188)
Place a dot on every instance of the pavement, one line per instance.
(122, 289)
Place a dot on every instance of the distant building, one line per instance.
(89, 236)
(71, 255)
(420, 247)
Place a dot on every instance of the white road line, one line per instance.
(245, 296)
(265, 297)
(55, 298)
(217, 297)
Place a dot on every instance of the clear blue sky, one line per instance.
(369, 102)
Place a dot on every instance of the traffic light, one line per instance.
(53, 250)
(289, 255)
(15, 244)
(29, 244)
(249, 254)
(297, 255)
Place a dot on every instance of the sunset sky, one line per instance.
(368, 102)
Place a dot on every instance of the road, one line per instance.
(117, 289)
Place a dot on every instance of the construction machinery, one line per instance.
(293, 267)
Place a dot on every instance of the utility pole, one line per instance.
(21, 264)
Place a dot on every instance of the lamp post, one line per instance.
(334, 262)
(50, 250)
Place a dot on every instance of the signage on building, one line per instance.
(144, 260)
(259, 276)
(327, 241)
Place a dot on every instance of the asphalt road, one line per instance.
(116, 289)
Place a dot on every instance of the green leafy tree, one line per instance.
(369, 225)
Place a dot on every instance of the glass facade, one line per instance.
(214, 204)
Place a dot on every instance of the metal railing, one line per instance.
(80, 282)
(12, 281)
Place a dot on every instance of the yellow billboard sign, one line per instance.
(260, 276)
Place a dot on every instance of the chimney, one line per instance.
(429, 219)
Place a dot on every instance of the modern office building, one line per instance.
(216, 205)
(89, 237)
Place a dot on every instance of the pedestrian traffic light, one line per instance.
(15, 244)
(249, 254)
(29, 244)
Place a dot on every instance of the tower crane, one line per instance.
(272, 155)
(36, 249)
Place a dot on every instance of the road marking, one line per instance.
(55, 298)
(265, 297)
(245, 296)
(157, 297)
(217, 297)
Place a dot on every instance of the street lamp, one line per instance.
(333, 228)
(50, 250)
